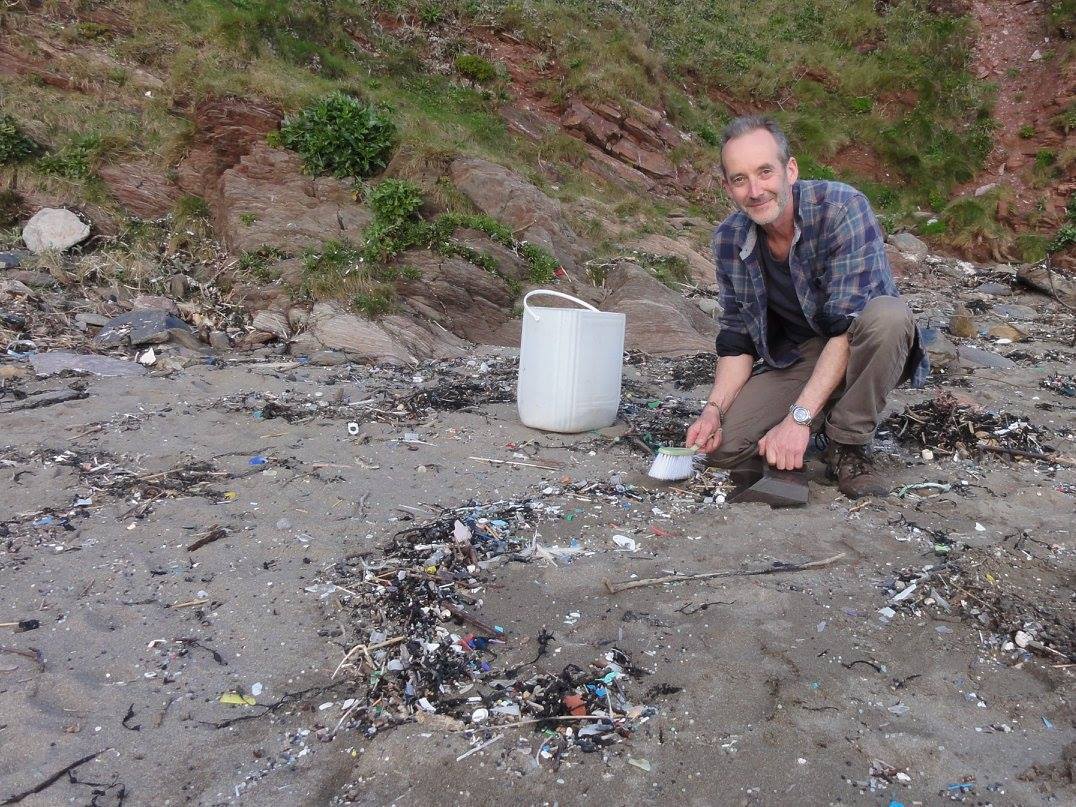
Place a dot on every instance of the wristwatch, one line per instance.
(801, 414)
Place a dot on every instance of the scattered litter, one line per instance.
(238, 699)
(641, 764)
(625, 543)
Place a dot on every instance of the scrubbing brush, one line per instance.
(673, 463)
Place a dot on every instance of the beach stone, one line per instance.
(994, 289)
(976, 357)
(273, 322)
(1006, 331)
(218, 340)
(142, 327)
(58, 361)
(909, 244)
(940, 350)
(962, 323)
(1017, 312)
(54, 228)
(90, 319)
(156, 301)
(13, 259)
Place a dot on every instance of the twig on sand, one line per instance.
(517, 464)
(1057, 459)
(478, 748)
(614, 588)
(52, 779)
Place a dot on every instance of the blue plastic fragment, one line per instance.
(895, 803)
(259, 460)
(479, 642)
(44, 521)
(1048, 724)
(961, 787)
(484, 666)
(498, 628)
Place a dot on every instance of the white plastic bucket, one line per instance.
(571, 363)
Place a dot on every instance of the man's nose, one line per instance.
(754, 187)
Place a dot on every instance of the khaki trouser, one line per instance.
(880, 339)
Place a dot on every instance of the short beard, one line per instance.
(783, 199)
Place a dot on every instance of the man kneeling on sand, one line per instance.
(813, 334)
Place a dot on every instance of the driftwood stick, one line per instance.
(615, 588)
(51, 780)
(1031, 455)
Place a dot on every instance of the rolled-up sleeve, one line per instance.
(857, 268)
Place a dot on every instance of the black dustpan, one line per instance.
(769, 486)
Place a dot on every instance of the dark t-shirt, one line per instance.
(788, 326)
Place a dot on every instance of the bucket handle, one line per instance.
(530, 309)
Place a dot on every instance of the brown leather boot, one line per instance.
(853, 470)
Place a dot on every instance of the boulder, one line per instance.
(54, 228)
(144, 327)
(1038, 277)
(156, 301)
(659, 321)
(901, 263)
(333, 327)
(226, 129)
(506, 196)
(267, 201)
(995, 289)
(702, 268)
(909, 245)
(58, 361)
(464, 299)
(273, 322)
(141, 188)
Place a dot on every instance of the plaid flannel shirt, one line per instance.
(837, 261)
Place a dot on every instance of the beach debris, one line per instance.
(778, 567)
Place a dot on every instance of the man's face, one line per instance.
(755, 180)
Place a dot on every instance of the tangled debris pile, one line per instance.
(414, 665)
(978, 587)
(389, 393)
(657, 422)
(946, 426)
(1061, 384)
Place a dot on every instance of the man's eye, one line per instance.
(737, 180)
(766, 172)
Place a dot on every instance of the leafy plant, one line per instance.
(393, 201)
(248, 219)
(1027, 131)
(340, 135)
(15, 146)
(475, 68)
(75, 161)
(374, 302)
(543, 266)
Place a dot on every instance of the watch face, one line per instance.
(801, 415)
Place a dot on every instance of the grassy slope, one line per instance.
(835, 71)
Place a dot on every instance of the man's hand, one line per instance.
(783, 445)
(706, 431)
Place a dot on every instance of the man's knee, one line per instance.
(888, 316)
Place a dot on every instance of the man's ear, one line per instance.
(793, 170)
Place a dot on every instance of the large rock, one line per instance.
(144, 327)
(909, 244)
(394, 339)
(141, 188)
(466, 300)
(54, 228)
(971, 356)
(267, 201)
(225, 130)
(58, 361)
(507, 196)
(659, 321)
(1040, 278)
(702, 268)
(901, 263)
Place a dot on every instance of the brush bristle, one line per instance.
(670, 467)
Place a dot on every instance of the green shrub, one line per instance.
(475, 68)
(393, 201)
(1027, 131)
(932, 227)
(340, 135)
(1045, 158)
(74, 161)
(543, 266)
(374, 302)
(15, 147)
(190, 207)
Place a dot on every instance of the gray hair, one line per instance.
(745, 124)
